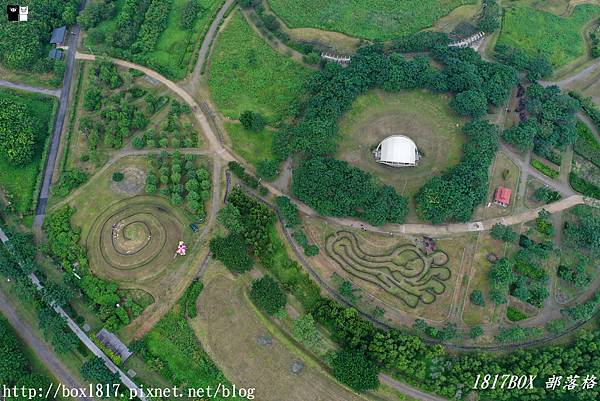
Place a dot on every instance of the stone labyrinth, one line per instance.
(134, 239)
(404, 271)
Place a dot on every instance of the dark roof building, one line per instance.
(56, 54)
(502, 196)
(58, 35)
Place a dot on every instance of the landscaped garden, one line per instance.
(247, 74)
(374, 19)
(26, 121)
(540, 33)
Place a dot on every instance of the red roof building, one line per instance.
(502, 196)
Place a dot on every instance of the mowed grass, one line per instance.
(228, 325)
(540, 33)
(370, 19)
(184, 362)
(19, 182)
(247, 74)
(424, 117)
(176, 46)
(251, 146)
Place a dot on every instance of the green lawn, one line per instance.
(541, 33)
(247, 74)
(423, 116)
(370, 19)
(251, 146)
(19, 182)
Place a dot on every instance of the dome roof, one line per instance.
(397, 150)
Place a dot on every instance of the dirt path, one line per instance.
(33, 89)
(206, 44)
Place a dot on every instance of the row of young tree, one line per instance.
(19, 131)
(17, 262)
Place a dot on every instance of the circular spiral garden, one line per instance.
(134, 239)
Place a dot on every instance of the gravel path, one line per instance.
(33, 89)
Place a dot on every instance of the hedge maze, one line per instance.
(134, 239)
(404, 271)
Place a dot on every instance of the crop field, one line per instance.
(389, 272)
(251, 146)
(19, 182)
(424, 117)
(540, 33)
(222, 307)
(247, 74)
(372, 19)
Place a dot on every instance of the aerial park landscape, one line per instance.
(396, 201)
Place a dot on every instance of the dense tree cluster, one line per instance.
(456, 194)
(190, 13)
(252, 121)
(333, 187)
(490, 16)
(331, 93)
(24, 46)
(536, 67)
(352, 367)
(179, 178)
(584, 234)
(546, 195)
(551, 122)
(18, 132)
(95, 370)
(268, 295)
(95, 12)
(155, 22)
(503, 233)
(63, 242)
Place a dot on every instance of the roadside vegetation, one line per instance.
(26, 121)
(265, 81)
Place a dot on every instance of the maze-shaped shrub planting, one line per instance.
(404, 271)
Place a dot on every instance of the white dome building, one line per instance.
(397, 151)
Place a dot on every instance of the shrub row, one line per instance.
(544, 169)
(583, 186)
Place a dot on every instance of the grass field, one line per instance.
(182, 360)
(222, 307)
(420, 115)
(19, 182)
(247, 74)
(251, 146)
(370, 19)
(541, 33)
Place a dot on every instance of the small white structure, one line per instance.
(397, 151)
